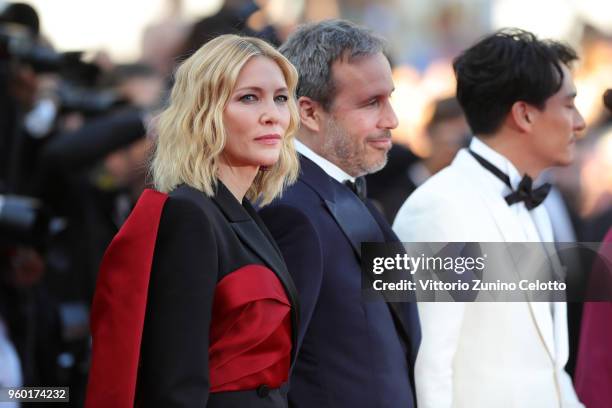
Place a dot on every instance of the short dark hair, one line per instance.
(507, 66)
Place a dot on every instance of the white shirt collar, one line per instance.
(535, 224)
(499, 161)
(328, 167)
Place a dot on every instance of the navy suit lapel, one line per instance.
(361, 223)
(349, 212)
(354, 219)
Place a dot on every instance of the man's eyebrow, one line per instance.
(381, 94)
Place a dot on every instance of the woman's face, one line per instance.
(257, 115)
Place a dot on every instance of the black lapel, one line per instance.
(247, 229)
(354, 219)
(349, 212)
(283, 274)
(251, 231)
(255, 216)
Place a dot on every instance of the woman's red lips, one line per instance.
(271, 139)
(274, 136)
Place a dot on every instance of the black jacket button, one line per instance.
(263, 391)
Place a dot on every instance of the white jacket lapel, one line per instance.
(510, 230)
(505, 222)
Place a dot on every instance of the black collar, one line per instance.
(233, 210)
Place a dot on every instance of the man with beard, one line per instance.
(351, 353)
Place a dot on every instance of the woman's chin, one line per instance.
(268, 161)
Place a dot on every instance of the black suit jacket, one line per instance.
(200, 241)
(352, 353)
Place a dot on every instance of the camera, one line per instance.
(77, 91)
(17, 44)
(23, 219)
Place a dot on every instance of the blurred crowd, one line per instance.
(75, 138)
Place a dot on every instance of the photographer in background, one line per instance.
(26, 357)
(21, 60)
(91, 175)
(72, 149)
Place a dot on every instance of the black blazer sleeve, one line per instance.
(174, 359)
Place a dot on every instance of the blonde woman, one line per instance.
(194, 306)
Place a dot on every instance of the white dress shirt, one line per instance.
(328, 167)
(536, 225)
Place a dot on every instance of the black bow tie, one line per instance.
(358, 187)
(525, 191)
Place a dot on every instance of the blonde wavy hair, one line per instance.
(190, 131)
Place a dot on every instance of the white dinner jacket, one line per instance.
(483, 355)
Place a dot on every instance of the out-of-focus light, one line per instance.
(545, 18)
(596, 178)
(590, 90)
(413, 101)
(284, 12)
(606, 154)
(112, 25)
(439, 79)
(594, 12)
(410, 107)
(317, 10)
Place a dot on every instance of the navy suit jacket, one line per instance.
(351, 353)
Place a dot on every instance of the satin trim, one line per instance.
(250, 336)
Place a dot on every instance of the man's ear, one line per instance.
(310, 113)
(522, 115)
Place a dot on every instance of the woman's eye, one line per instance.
(281, 98)
(248, 98)
(373, 102)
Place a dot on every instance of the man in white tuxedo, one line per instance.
(518, 96)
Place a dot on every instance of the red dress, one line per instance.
(594, 365)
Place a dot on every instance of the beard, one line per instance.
(351, 153)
